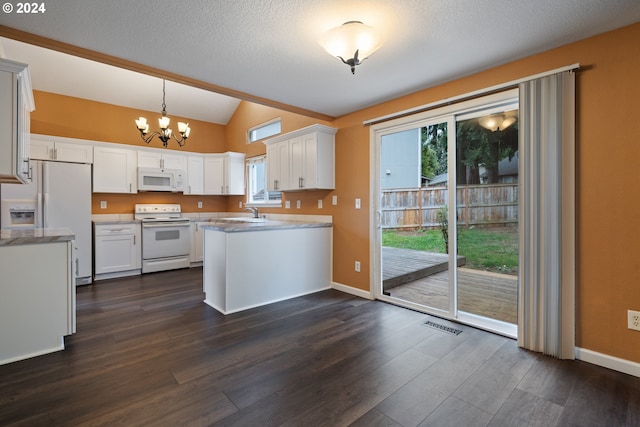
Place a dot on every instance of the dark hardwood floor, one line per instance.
(148, 351)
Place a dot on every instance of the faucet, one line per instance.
(254, 210)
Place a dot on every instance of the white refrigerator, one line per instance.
(59, 195)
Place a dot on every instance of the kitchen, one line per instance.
(110, 185)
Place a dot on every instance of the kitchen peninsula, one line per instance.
(37, 308)
(253, 262)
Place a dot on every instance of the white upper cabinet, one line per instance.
(278, 166)
(16, 105)
(224, 174)
(302, 160)
(114, 170)
(162, 159)
(48, 148)
(195, 174)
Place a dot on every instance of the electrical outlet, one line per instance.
(240, 204)
(334, 200)
(634, 319)
(199, 205)
(357, 203)
(287, 204)
(357, 266)
(103, 204)
(319, 203)
(297, 204)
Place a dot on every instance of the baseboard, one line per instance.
(606, 361)
(353, 291)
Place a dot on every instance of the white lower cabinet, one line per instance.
(117, 250)
(197, 241)
(38, 306)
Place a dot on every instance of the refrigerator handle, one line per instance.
(45, 192)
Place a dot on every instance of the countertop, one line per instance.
(35, 235)
(234, 227)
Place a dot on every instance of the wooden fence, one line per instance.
(493, 204)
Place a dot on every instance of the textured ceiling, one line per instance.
(269, 49)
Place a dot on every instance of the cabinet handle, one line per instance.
(275, 184)
(134, 239)
(130, 187)
(189, 188)
(77, 266)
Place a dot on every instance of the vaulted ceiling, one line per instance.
(268, 50)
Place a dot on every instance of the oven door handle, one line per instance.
(167, 224)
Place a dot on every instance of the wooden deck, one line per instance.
(401, 266)
(487, 294)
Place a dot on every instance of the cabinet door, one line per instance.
(234, 174)
(115, 253)
(278, 166)
(214, 175)
(114, 170)
(174, 161)
(41, 150)
(74, 153)
(296, 162)
(195, 175)
(309, 161)
(149, 159)
(197, 242)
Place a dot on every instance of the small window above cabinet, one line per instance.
(302, 160)
(16, 105)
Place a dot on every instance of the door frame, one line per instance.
(449, 114)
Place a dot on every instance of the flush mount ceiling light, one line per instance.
(165, 133)
(497, 122)
(352, 43)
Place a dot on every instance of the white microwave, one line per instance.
(152, 179)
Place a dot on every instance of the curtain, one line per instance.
(546, 309)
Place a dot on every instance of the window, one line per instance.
(257, 193)
(264, 130)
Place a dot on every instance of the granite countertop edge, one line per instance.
(231, 227)
(35, 235)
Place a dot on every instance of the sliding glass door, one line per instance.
(450, 253)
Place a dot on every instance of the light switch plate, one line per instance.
(287, 204)
(319, 203)
(357, 203)
(334, 200)
(298, 204)
(103, 204)
(199, 205)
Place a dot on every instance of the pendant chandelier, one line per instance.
(352, 43)
(163, 122)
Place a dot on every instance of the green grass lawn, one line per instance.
(491, 249)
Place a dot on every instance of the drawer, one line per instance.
(114, 229)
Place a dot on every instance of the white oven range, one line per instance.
(166, 237)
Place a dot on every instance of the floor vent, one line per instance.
(447, 329)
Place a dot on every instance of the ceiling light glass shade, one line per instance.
(352, 42)
(163, 122)
(496, 122)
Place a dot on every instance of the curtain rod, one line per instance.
(469, 95)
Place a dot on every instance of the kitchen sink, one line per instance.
(239, 219)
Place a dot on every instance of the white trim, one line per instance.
(468, 95)
(353, 291)
(606, 361)
(59, 347)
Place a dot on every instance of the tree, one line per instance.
(434, 150)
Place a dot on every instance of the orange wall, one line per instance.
(608, 211)
(60, 115)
